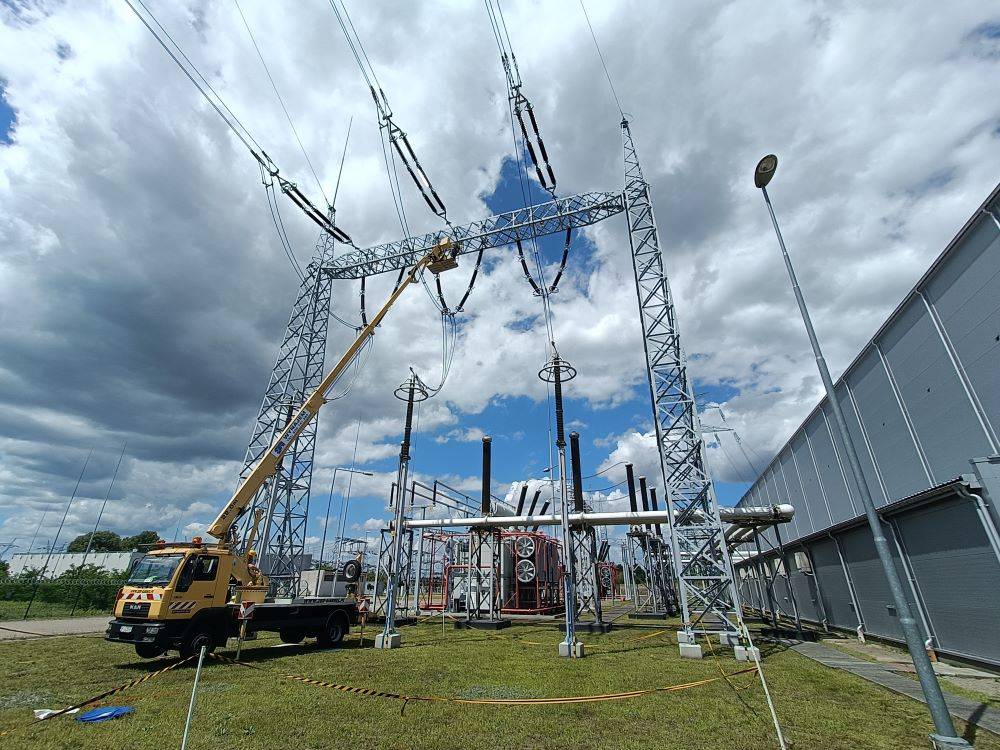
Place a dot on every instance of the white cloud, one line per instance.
(142, 292)
(371, 524)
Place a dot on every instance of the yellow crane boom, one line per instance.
(440, 258)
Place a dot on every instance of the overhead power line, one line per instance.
(203, 86)
(281, 101)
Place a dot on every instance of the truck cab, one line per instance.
(179, 590)
(185, 596)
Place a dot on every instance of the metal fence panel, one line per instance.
(957, 573)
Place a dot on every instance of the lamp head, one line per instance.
(765, 170)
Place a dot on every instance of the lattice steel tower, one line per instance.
(708, 596)
(297, 372)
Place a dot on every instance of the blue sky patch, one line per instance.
(8, 118)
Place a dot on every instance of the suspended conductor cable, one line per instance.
(234, 123)
(601, 55)
(245, 135)
(278, 226)
(360, 360)
(281, 101)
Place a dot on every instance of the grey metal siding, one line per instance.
(942, 415)
(841, 507)
(958, 575)
(965, 293)
(885, 425)
(834, 592)
(921, 401)
(806, 594)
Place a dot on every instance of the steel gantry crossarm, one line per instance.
(440, 257)
(498, 230)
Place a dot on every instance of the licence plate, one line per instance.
(126, 628)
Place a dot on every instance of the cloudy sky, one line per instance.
(143, 290)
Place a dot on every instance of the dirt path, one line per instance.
(11, 630)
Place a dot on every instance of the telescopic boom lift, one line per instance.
(184, 595)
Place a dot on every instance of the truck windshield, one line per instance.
(154, 570)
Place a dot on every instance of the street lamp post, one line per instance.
(945, 735)
(329, 502)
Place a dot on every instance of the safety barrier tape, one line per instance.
(102, 696)
(372, 693)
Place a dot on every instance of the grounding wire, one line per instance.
(281, 101)
(601, 55)
(360, 361)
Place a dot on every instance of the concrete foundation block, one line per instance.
(948, 743)
(746, 653)
(393, 640)
(574, 650)
(683, 637)
(690, 651)
(729, 638)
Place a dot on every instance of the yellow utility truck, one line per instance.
(183, 596)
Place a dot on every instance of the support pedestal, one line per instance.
(393, 640)
(690, 650)
(571, 649)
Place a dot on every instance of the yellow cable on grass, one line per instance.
(372, 693)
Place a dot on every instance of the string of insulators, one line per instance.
(417, 174)
(292, 191)
(554, 286)
(299, 199)
(543, 170)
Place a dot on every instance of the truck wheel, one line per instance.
(290, 635)
(334, 631)
(196, 638)
(148, 651)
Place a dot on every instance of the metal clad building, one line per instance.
(922, 402)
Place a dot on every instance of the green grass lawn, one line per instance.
(239, 707)
(13, 611)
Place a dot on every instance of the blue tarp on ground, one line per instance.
(104, 714)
